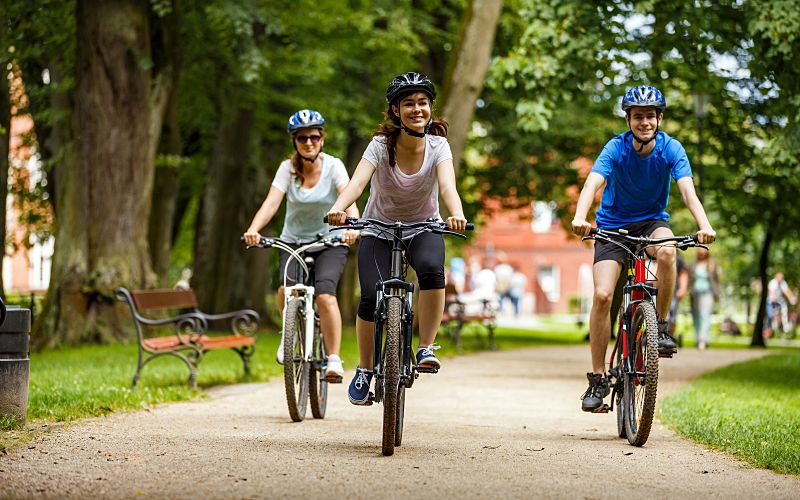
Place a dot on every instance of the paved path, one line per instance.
(500, 424)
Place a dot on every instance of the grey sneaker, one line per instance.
(598, 389)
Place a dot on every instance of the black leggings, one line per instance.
(425, 253)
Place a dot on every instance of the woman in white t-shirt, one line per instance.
(310, 180)
(408, 164)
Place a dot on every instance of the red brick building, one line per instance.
(557, 264)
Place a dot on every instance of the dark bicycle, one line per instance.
(304, 355)
(633, 364)
(394, 365)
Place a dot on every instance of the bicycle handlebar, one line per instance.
(682, 242)
(265, 242)
(435, 226)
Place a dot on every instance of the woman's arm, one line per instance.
(447, 189)
(264, 215)
(351, 192)
(349, 236)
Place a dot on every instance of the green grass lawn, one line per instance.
(751, 409)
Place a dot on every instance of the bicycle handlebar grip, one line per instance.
(470, 226)
(593, 231)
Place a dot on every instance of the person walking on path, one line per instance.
(634, 169)
(310, 181)
(408, 164)
(704, 279)
(777, 310)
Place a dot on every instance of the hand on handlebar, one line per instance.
(251, 238)
(706, 236)
(581, 227)
(350, 236)
(336, 218)
(458, 224)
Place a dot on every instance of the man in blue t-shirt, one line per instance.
(635, 167)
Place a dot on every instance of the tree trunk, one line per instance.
(466, 77)
(5, 144)
(763, 262)
(226, 276)
(106, 180)
(165, 131)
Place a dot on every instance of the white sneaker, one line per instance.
(279, 355)
(334, 371)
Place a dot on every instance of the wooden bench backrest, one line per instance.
(165, 298)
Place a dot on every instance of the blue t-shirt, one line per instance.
(637, 188)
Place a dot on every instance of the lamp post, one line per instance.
(700, 101)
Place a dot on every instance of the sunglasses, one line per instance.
(303, 138)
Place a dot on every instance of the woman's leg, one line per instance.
(706, 308)
(426, 256)
(374, 263)
(329, 265)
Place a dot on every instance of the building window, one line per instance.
(550, 282)
(543, 216)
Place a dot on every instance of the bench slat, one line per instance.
(227, 342)
(165, 298)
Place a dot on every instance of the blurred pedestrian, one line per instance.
(704, 287)
(519, 283)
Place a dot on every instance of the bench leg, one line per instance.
(190, 363)
(246, 353)
(492, 345)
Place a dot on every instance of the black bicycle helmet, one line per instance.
(408, 83)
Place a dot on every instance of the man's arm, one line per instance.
(705, 234)
(593, 183)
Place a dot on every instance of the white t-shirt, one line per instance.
(395, 196)
(305, 208)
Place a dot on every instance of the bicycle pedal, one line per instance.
(666, 355)
(603, 409)
(427, 369)
(335, 379)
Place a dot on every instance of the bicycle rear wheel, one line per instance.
(641, 380)
(318, 384)
(295, 367)
(391, 374)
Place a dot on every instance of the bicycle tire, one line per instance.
(295, 367)
(318, 384)
(640, 390)
(619, 386)
(391, 373)
(401, 406)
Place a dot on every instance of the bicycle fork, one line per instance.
(306, 293)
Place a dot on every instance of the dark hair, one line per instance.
(297, 162)
(390, 129)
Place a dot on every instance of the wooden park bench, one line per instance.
(190, 337)
(457, 314)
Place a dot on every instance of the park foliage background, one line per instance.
(160, 123)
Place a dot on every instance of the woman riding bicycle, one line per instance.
(635, 167)
(407, 163)
(311, 181)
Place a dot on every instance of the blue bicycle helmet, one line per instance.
(305, 118)
(643, 95)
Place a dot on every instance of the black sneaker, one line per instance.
(666, 342)
(598, 389)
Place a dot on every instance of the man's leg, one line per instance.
(665, 273)
(665, 283)
(605, 275)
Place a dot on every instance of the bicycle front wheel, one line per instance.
(641, 378)
(619, 386)
(295, 367)
(318, 384)
(391, 373)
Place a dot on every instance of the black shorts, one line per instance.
(610, 251)
(328, 266)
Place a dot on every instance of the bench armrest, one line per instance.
(242, 322)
